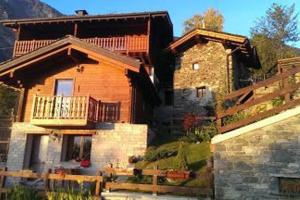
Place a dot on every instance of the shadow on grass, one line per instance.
(197, 165)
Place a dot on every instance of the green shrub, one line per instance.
(203, 133)
(234, 118)
(277, 101)
(153, 154)
(181, 160)
(22, 193)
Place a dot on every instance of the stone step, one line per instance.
(142, 196)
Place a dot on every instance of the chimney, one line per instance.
(81, 12)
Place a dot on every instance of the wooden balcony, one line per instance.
(64, 111)
(127, 44)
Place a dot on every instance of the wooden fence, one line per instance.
(48, 178)
(101, 182)
(245, 98)
(155, 187)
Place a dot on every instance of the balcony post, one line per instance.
(33, 106)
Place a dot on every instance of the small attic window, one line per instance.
(196, 66)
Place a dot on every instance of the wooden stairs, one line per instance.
(263, 99)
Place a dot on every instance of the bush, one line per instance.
(181, 159)
(203, 133)
(189, 122)
(277, 101)
(153, 154)
(234, 118)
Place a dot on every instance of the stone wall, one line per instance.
(212, 73)
(250, 166)
(115, 143)
(112, 144)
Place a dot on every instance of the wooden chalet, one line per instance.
(78, 70)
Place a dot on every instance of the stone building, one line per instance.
(208, 65)
(259, 161)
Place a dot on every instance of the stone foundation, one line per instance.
(112, 144)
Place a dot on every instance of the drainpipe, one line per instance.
(227, 67)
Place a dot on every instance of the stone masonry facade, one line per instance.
(250, 166)
(211, 58)
(112, 144)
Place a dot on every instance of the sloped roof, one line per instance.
(221, 36)
(75, 18)
(61, 45)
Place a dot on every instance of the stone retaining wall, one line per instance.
(250, 166)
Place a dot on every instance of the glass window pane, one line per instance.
(64, 87)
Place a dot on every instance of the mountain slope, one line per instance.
(12, 9)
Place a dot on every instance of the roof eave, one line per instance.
(14, 23)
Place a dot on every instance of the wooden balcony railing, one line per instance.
(261, 100)
(127, 44)
(66, 111)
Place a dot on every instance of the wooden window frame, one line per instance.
(65, 147)
(201, 91)
(63, 78)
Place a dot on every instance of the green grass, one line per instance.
(196, 156)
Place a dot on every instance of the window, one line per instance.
(196, 66)
(200, 91)
(169, 98)
(64, 87)
(76, 147)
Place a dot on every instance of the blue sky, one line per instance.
(239, 15)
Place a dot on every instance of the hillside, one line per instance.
(12, 9)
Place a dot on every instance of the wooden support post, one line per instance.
(2, 183)
(154, 182)
(98, 185)
(47, 181)
(285, 84)
(20, 105)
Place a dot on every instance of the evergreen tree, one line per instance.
(273, 33)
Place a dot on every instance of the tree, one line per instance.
(273, 33)
(8, 98)
(211, 20)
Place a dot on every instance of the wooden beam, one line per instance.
(33, 61)
(20, 105)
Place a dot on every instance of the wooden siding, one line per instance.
(101, 81)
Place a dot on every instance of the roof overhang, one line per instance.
(232, 41)
(68, 44)
(210, 35)
(87, 18)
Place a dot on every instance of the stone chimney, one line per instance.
(81, 12)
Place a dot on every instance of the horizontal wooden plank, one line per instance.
(159, 188)
(259, 116)
(264, 83)
(28, 174)
(259, 100)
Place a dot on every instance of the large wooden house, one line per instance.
(76, 73)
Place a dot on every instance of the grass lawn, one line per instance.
(196, 156)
